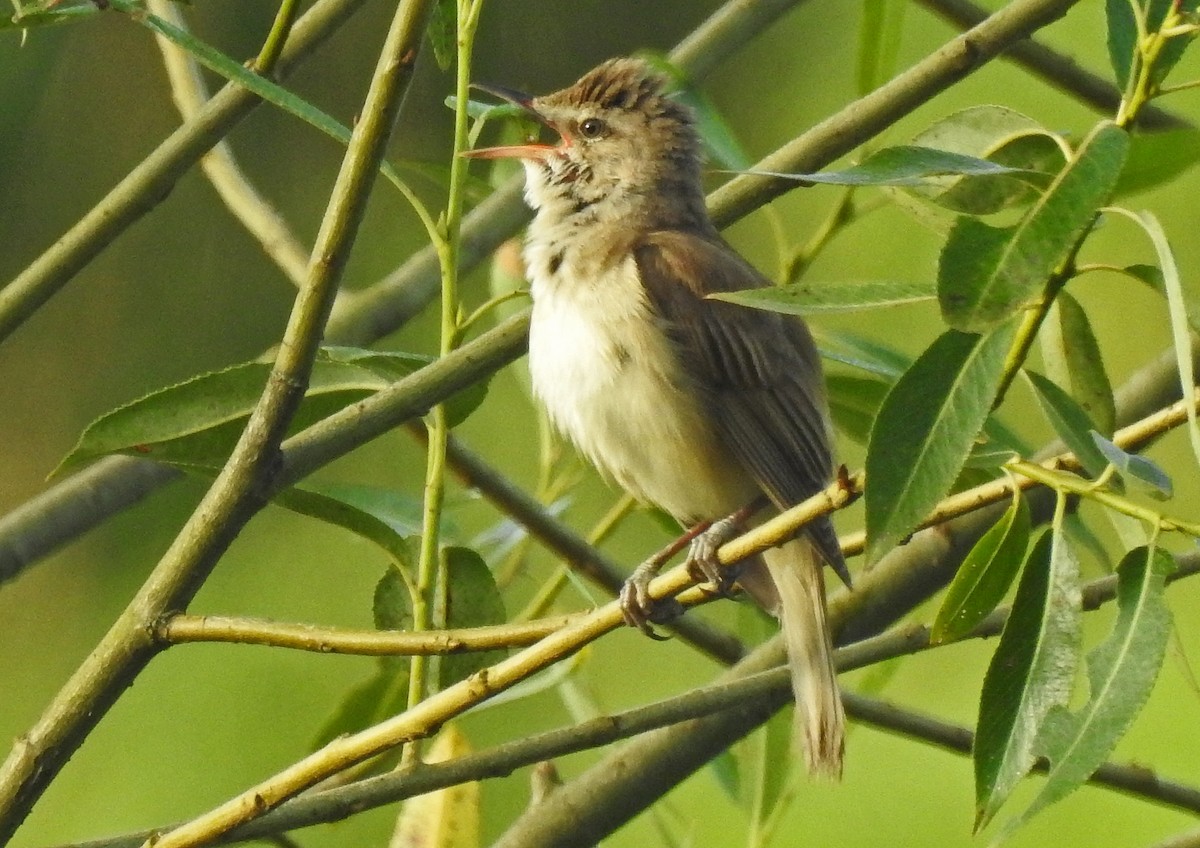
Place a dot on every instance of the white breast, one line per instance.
(610, 381)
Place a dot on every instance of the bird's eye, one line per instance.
(592, 128)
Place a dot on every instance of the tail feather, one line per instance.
(796, 571)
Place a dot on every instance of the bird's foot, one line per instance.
(639, 609)
(702, 561)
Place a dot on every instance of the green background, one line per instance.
(185, 291)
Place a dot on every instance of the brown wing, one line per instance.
(761, 370)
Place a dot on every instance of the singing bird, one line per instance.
(696, 405)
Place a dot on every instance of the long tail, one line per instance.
(796, 571)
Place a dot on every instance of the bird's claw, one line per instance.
(639, 609)
(703, 562)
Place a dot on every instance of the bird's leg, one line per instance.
(703, 540)
(639, 609)
(702, 560)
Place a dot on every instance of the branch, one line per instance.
(260, 219)
(236, 494)
(874, 112)
(152, 179)
(769, 690)
(1136, 780)
(182, 628)
(1057, 70)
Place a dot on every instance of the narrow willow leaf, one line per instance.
(52, 17)
(854, 403)
(1177, 306)
(1069, 421)
(473, 600)
(1152, 276)
(905, 165)
(1035, 158)
(985, 575)
(860, 352)
(258, 84)
(879, 42)
(197, 422)
(443, 33)
(385, 693)
(1122, 39)
(1133, 467)
(720, 141)
(926, 428)
(1030, 673)
(1071, 355)
(809, 297)
(1172, 51)
(1121, 673)
(999, 135)
(1156, 159)
(445, 818)
(378, 515)
(988, 274)
(393, 365)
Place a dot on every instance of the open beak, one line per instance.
(530, 150)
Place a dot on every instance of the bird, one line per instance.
(698, 406)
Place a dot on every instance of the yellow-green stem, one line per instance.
(281, 27)
(438, 424)
(1069, 484)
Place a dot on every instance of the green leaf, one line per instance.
(988, 274)
(443, 33)
(1069, 421)
(999, 135)
(879, 42)
(197, 422)
(809, 297)
(925, 430)
(40, 16)
(1133, 467)
(906, 165)
(394, 365)
(385, 693)
(985, 575)
(854, 403)
(1152, 276)
(1071, 355)
(1121, 673)
(860, 352)
(1177, 307)
(1156, 159)
(473, 600)
(720, 141)
(1030, 673)
(381, 516)
(258, 84)
(1122, 39)
(1170, 55)
(1035, 158)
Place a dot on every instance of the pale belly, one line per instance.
(609, 381)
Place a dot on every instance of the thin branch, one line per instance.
(887, 104)
(584, 558)
(1136, 780)
(763, 691)
(1057, 70)
(236, 493)
(151, 180)
(250, 208)
(183, 628)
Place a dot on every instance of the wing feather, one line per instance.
(760, 370)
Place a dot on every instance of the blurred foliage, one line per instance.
(185, 292)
